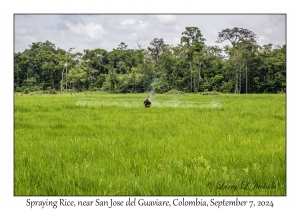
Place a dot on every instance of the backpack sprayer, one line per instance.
(147, 102)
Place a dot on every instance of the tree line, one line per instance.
(191, 66)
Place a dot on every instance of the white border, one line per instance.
(8, 201)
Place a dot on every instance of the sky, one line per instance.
(108, 31)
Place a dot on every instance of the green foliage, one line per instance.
(34, 88)
(26, 91)
(29, 82)
(191, 66)
(210, 93)
(50, 91)
(174, 91)
(227, 87)
(18, 89)
(159, 85)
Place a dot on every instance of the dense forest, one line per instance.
(191, 66)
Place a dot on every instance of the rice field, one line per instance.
(110, 144)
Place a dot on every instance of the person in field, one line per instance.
(147, 103)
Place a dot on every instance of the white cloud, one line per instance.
(25, 31)
(262, 40)
(270, 30)
(135, 35)
(166, 18)
(141, 25)
(132, 24)
(20, 31)
(127, 22)
(93, 30)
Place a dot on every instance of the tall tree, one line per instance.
(241, 40)
(122, 46)
(156, 51)
(236, 36)
(193, 40)
(190, 66)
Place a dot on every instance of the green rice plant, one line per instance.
(102, 144)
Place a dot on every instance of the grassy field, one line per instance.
(191, 144)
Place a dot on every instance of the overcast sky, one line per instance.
(107, 31)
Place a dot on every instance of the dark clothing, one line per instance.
(147, 103)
